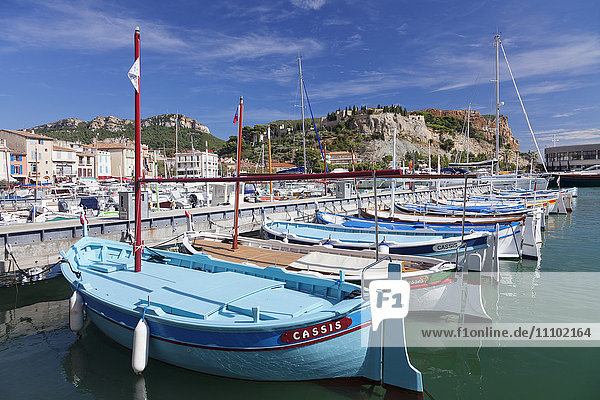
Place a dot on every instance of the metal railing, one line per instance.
(362, 274)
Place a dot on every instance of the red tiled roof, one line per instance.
(27, 134)
(55, 147)
(102, 146)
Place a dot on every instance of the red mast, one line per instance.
(137, 247)
(237, 184)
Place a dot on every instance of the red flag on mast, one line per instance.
(235, 117)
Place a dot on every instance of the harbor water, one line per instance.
(41, 358)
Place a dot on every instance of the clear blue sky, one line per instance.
(70, 58)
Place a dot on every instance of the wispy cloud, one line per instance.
(353, 41)
(402, 29)
(566, 56)
(74, 26)
(369, 82)
(575, 111)
(336, 21)
(569, 136)
(551, 87)
(309, 4)
(79, 26)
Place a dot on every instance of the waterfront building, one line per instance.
(278, 166)
(121, 153)
(38, 149)
(4, 161)
(570, 158)
(18, 166)
(64, 160)
(122, 158)
(85, 164)
(338, 158)
(103, 161)
(198, 164)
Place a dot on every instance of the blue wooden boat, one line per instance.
(416, 242)
(445, 209)
(228, 319)
(509, 241)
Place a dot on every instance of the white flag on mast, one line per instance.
(134, 75)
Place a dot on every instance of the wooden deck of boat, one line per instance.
(266, 257)
(255, 255)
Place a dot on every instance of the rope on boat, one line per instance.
(168, 240)
(44, 270)
(211, 223)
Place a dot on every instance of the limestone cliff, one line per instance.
(418, 127)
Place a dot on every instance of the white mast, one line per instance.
(393, 205)
(468, 133)
(497, 80)
(176, 126)
(428, 152)
(523, 108)
(207, 187)
(302, 110)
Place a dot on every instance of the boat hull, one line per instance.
(199, 350)
(510, 235)
(445, 249)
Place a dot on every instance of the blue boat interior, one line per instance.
(362, 223)
(182, 287)
(354, 234)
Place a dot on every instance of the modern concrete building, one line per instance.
(569, 158)
(196, 163)
(38, 149)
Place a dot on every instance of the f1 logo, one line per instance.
(389, 299)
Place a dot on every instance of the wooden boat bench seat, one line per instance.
(213, 294)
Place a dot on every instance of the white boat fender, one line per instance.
(139, 350)
(76, 311)
(189, 222)
(384, 248)
(84, 222)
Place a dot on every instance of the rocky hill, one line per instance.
(368, 132)
(444, 128)
(157, 131)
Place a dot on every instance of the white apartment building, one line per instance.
(4, 162)
(198, 164)
(103, 162)
(65, 162)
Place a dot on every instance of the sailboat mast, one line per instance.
(137, 248)
(206, 157)
(394, 166)
(496, 45)
(468, 133)
(302, 111)
(270, 163)
(176, 135)
(234, 245)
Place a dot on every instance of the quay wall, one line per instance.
(38, 244)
